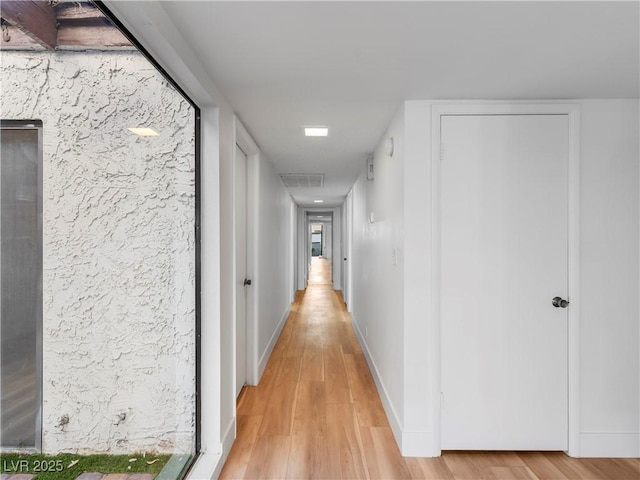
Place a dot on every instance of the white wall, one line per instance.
(378, 283)
(609, 398)
(274, 253)
(609, 371)
(119, 249)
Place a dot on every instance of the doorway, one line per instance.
(319, 236)
(505, 247)
(21, 284)
(316, 240)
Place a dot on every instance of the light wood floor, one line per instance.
(317, 415)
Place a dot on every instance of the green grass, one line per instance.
(59, 467)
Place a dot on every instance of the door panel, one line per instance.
(504, 257)
(241, 267)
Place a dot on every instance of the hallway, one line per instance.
(316, 414)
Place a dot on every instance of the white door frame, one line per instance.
(512, 108)
(347, 249)
(303, 257)
(248, 146)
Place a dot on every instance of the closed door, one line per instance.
(241, 267)
(504, 258)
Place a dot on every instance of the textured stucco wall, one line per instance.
(119, 265)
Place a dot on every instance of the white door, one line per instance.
(504, 258)
(241, 267)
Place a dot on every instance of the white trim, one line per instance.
(248, 146)
(417, 444)
(210, 297)
(392, 416)
(348, 278)
(228, 438)
(264, 358)
(573, 361)
(208, 466)
(610, 445)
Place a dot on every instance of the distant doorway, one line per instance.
(316, 240)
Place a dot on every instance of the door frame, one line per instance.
(38, 126)
(303, 255)
(573, 229)
(248, 146)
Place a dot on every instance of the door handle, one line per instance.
(560, 302)
(246, 282)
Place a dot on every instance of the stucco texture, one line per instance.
(118, 249)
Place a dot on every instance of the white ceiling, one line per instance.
(349, 65)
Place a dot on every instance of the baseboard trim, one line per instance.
(207, 467)
(382, 391)
(419, 444)
(411, 444)
(262, 364)
(610, 445)
(209, 464)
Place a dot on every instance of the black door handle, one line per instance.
(559, 302)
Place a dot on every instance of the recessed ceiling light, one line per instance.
(144, 131)
(316, 131)
(318, 201)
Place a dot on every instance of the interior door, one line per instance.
(241, 267)
(504, 258)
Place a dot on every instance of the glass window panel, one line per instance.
(118, 341)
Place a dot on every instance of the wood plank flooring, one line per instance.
(317, 415)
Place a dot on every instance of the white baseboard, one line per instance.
(228, 438)
(411, 444)
(207, 466)
(211, 460)
(419, 444)
(262, 364)
(382, 391)
(611, 445)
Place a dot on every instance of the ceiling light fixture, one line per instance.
(144, 131)
(316, 131)
(318, 201)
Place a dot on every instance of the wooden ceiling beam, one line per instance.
(68, 12)
(91, 36)
(14, 39)
(34, 18)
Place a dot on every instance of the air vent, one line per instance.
(303, 180)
